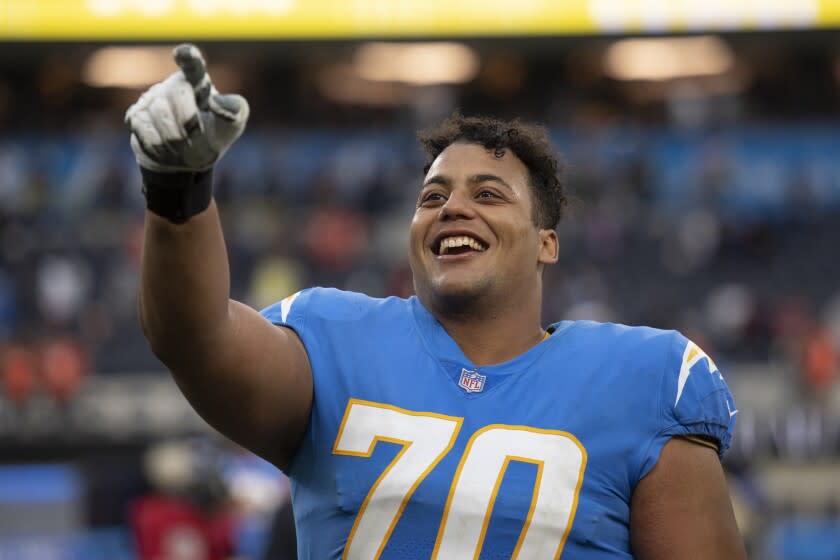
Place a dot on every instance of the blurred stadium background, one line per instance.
(703, 152)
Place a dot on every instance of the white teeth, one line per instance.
(452, 242)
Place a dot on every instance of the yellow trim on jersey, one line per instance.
(534, 493)
(693, 352)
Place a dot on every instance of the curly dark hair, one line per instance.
(530, 143)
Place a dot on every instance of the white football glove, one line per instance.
(183, 123)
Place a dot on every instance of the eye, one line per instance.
(430, 198)
(486, 193)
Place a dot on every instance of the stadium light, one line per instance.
(668, 58)
(128, 67)
(140, 67)
(340, 83)
(416, 63)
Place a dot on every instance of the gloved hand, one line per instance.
(183, 123)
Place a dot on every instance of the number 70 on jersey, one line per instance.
(425, 439)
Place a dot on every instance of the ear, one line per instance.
(549, 247)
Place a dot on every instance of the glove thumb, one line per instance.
(222, 123)
(230, 107)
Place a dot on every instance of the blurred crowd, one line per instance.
(728, 236)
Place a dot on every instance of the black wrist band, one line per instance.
(177, 196)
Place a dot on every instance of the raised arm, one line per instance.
(246, 377)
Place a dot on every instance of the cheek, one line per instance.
(415, 237)
(528, 243)
(413, 234)
(415, 248)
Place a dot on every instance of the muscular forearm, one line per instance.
(184, 287)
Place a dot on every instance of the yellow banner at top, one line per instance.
(347, 19)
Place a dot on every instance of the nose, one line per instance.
(458, 205)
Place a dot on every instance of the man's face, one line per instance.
(472, 233)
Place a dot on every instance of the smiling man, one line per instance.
(449, 425)
(482, 234)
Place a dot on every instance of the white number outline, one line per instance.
(453, 490)
(431, 464)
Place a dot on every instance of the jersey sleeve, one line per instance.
(694, 401)
(290, 312)
(332, 325)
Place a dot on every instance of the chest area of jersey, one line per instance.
(473, 468)
(499, 490)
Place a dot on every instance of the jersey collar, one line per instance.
(445, 349)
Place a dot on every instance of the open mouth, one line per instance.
(457, 245)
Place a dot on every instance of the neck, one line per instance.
(492, 334)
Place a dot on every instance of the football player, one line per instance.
(452, 424)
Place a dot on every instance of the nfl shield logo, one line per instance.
(471, 381)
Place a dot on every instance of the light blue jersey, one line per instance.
(413, 452)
